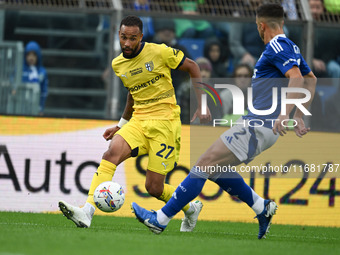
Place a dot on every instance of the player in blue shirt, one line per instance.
(282, 65)
(281, 58)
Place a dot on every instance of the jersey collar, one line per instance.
(277, 36)
(137, 53)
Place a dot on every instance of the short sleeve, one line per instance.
(304, 68)
(173, 58)
(284, 57)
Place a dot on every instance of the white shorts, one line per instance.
(248, 142)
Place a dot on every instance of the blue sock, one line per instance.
(234, 184)
(190, 188)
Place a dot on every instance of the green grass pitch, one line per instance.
(49, 234)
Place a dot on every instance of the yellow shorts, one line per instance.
(160, 139)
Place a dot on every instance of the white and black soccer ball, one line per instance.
(109, 196)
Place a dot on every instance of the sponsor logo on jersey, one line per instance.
(136, 71)
(165, 95)
(229, 138)
(124, 75)
(146, 84)
(149, 66)
(175, 52)
(164, 165)
(296, 49)
(289, 60)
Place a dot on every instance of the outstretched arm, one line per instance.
(109, 133)
(192, 68)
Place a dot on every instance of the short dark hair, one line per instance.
(131, 21)
(243, 65)
(270, 11)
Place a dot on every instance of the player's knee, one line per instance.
(154, 190)
(205, 160)
(108, 155)
(113, 157)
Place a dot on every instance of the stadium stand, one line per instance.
(79, 39)
(11, 59)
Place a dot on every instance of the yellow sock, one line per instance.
(104, 173)
(167, 194)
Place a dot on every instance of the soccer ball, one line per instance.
(109, 196)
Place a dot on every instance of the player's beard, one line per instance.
(132, 54)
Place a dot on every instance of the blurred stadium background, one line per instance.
(79, 38)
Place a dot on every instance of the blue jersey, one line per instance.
(280, 55)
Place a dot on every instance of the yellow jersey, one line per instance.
(148, 79)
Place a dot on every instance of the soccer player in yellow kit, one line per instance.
(150, 123)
